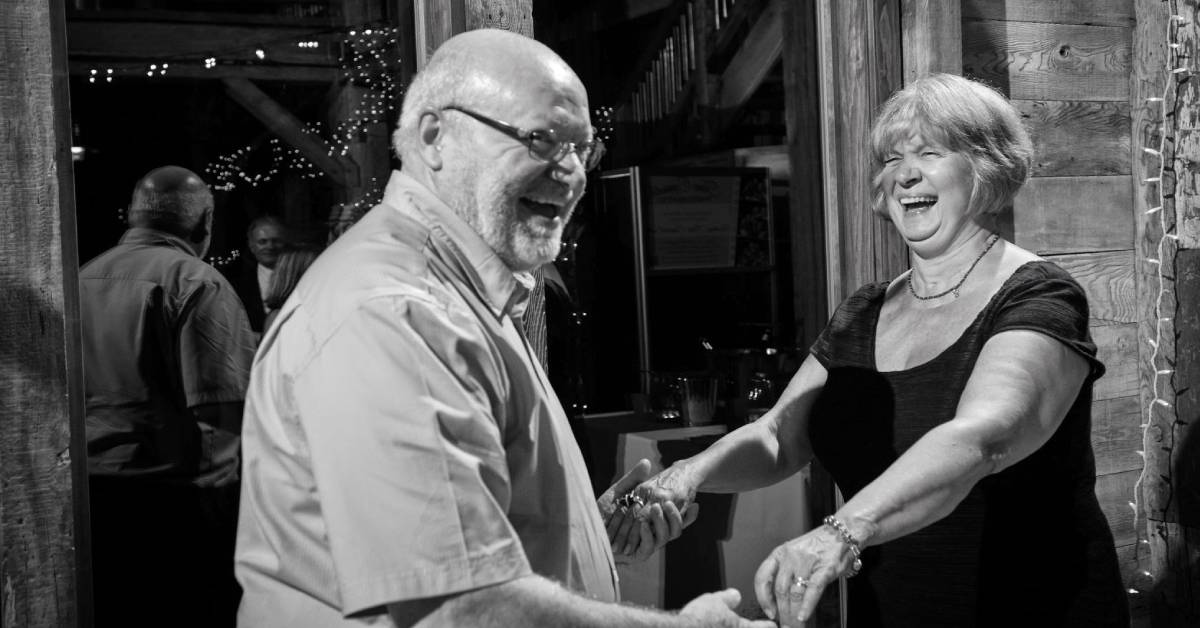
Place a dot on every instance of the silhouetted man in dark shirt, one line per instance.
(167, 351)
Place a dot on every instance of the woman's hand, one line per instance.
(655, 512)
(673, 485)
(789, 583)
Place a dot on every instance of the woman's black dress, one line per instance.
(1029, 546)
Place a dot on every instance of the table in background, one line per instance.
(729, 540)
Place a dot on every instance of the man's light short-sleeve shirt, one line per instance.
(400, 442)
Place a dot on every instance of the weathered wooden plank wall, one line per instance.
(41, 375)
(1067, 69)
(1068, 66)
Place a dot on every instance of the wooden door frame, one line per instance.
(866, 50)
(43, 503)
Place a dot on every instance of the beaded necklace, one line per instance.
(990, 243)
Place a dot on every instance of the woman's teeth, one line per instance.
(914, 203)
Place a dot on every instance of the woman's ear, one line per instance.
(429, 139)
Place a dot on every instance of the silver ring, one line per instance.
(630, 500)
(798, 585)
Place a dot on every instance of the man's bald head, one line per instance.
(174, 200)
(488, 69)
(468, 131)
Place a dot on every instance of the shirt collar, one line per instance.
(154, 237)
(505, 291)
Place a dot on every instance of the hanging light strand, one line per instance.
(1164, 256)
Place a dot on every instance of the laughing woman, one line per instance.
(951, 406)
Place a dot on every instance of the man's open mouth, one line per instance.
(547, 210)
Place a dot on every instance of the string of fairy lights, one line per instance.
(1177, 72)
(369, 59)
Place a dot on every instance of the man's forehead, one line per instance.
(266, 231)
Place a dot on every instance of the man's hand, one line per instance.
(717, 609)
(637, 530)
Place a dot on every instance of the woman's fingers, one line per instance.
(647, 543)
(673, 521)
(816, 587)
(613, 525)
(690, 513)
(623, 540)
(764, 585)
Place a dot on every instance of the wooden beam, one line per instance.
(281, 122)
(932, 36)
(193, 42)
(435, 21)
(369, 151)
(256, 72)
(1187, 141)
(508, 15)
(43, 457)
(1168, 278)
(802, 115)
(753, 61)
(197, 17)
(859, 63)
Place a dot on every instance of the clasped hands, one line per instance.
(642, 513)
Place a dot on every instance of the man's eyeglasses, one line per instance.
(542, 143)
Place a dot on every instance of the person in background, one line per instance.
(951, 405)
(167, 351)
(267, 239)
(406, 461)
(290, 267)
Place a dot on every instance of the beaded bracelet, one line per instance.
(849, 540)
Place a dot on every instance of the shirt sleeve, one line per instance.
(216, 346)
(400, 407)
(1050, 302)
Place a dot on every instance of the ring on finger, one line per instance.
(630, 500)
(798, 585)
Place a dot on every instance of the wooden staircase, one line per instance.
(706, 61)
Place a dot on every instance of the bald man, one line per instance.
(167, 351)
(406, 461)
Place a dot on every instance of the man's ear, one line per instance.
(429, 139)
(200, 231)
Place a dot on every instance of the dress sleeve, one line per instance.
(216, 346)
(1050, 302)
(848, 338)
(402, 407)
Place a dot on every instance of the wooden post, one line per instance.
(932, 36)
(1168, 280)
(859, 65)
(44, 564)
(806, 208)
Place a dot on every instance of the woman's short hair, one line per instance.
(288, 270)
(966, 117)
